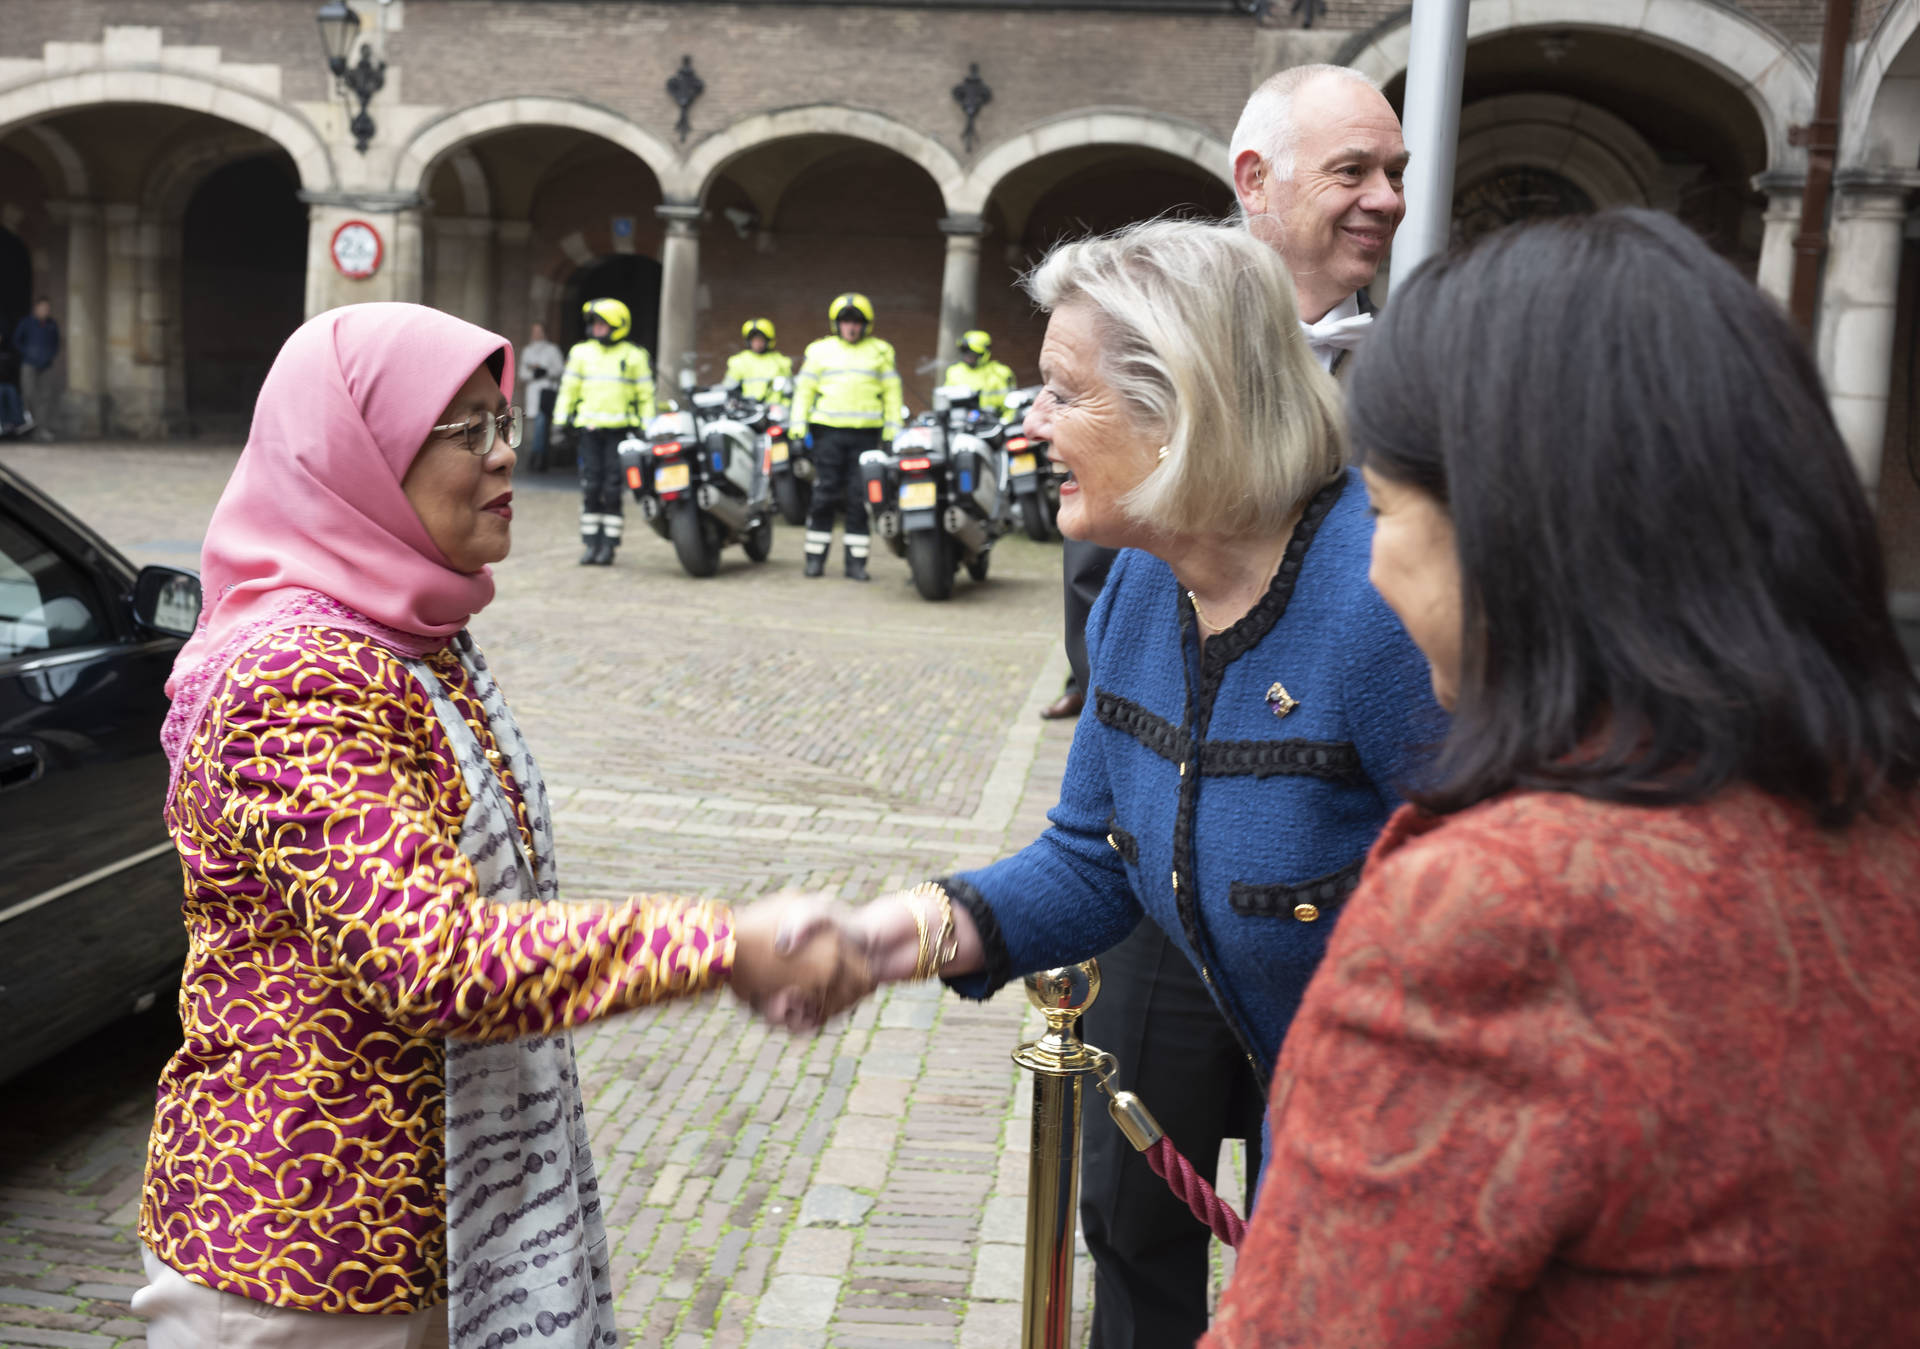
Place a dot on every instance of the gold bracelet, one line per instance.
(937, 945)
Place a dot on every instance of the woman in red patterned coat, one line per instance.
(373, 1135)
(1618, 1044)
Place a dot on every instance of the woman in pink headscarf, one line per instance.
(375, 1111)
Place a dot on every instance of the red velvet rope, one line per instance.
(1191, 1188)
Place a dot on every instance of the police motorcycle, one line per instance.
(1032, 485)
(937, 499)
(789, 463)
(697, 476)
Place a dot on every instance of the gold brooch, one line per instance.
(1280, 700)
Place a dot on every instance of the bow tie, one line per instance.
(1338, 334)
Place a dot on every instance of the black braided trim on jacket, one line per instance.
(1155, 732)
(1277, 901)
(1329, 759)
(1225, 648)
(1122, 842)
(993, 942)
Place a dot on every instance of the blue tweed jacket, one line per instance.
(1231, 795)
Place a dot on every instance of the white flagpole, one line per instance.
(1436, 67)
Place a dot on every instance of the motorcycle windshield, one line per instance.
(668, 425)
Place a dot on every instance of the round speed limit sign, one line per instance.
(356, 250)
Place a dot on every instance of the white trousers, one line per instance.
(182, 1314)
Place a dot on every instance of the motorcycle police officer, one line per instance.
(977, 370)
(756, 368)
(607, 392)
(849, 394)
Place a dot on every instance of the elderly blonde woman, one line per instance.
(1255, 706)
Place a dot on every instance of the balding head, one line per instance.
(1317, 162)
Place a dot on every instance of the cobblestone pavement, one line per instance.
(721, 737)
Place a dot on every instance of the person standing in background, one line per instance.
(37, 339)
(756, 369)
(977, 370)
(541, 363)
(849, 387)
(1317, 164)
(607, 392)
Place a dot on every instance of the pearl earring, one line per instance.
(1163, 454)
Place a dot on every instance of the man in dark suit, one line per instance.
(1317, 162)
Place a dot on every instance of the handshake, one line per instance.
(800, 959)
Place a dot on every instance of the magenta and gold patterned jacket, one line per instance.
(336, 940)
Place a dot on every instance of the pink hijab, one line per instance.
(313, 526)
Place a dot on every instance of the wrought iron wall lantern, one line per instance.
(683, 88)
(339, 28)
(972, 94)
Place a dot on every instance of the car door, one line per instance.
(90, 893)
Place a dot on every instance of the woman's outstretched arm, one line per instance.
(327, 756)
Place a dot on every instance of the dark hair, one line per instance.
(1670, 575)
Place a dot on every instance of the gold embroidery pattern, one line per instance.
(335, 939)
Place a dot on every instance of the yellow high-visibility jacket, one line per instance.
(851, 384)
(605, 385)
(993, 380)
(755, 371)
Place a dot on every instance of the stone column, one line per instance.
(513, 264)
(395, 217)
(959, 284)
(84, 317)
(136, 372)
(1857, 308)
(679, 292)
(1783, 193)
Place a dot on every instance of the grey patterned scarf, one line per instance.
(526, 1249)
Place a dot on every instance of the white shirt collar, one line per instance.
(1340, 329)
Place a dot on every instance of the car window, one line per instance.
(46, 603)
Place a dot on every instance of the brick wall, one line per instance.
(902, 63)
(279, 32)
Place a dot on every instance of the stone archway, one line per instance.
(1774, 76)
(691, 183)
(431, 142)
(285, 126)
(1183, 140)
(1601, 155)
(1869, 324)
(1880, 122)
(226, 273)
(786, 222)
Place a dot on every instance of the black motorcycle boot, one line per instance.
(591, 557)
(603, 552)
(816, 565)
(857, 568)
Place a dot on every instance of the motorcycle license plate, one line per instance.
(777, 452)
(1024, 463)
(672, 478)
(919, 496)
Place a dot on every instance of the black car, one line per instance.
(90, 885)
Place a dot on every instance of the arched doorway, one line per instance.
(1514, 193)
(792, 223)
(626, 277)
(1087, 190)
(176, 263)
(243, 267)
(527, 222)
(1564, 120)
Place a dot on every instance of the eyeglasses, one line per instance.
(481, 430)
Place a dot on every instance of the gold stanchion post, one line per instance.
(1058, 1060)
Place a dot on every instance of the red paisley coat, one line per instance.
(1581, 1074)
